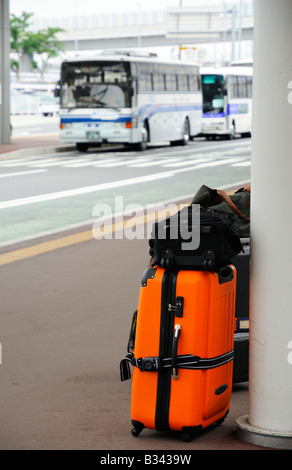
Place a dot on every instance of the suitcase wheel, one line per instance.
(186, 437)
(220, 421)
(136, 430)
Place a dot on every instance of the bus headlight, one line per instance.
(65, 125)
(123, 125)
(119, 125)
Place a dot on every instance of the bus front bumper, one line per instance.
(214, 128)
(100, 135)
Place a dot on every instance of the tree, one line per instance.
(18, 26)
(44, 45)
(37, 47)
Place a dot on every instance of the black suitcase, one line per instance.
(217, 233)
(241, 333)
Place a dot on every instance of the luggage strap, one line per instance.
(188, 361)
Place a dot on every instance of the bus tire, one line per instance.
(186, 135)
(81, 147)
(186, 132)
(231, 136)
(145, 137)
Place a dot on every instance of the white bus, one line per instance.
(129, 99)
(227, 101)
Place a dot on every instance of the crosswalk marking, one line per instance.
(246, 163)
(21, 173)
(185, 163)
(27, 162)
(121, 163)
(112, 160)
(91, 162)
(154, 162)
(53, 163)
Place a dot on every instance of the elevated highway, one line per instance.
(174, 26)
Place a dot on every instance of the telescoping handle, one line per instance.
(177, 330)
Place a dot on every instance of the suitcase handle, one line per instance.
(176, 336)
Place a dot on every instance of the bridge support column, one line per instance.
(269, 422)
(4, 72)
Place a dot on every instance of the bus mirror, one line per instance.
(131, 91)
(224, 91)
(57, 90)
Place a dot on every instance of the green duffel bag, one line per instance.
(217, 199)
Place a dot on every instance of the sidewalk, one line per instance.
(64, 331)
(33, 145)
(68, 397)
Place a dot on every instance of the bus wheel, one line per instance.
(186, 133)
(81, 147)
(145, 136)
(231, 136)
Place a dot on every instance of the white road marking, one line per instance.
(247, 163)
(121, 163)
(92, 162)
(56, 162)
(29, 162)
(19, 173)
(110, 185)
(154, 162)
(186, 162)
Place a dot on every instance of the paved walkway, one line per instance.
(64, 326)
(33, 145)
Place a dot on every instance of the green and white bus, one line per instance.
(227, 101)
(128, 99)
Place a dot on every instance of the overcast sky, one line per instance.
(53, 8)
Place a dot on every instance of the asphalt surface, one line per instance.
(64, 326)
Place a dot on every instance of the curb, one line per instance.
(25, 152)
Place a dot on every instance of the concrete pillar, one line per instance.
(269, 422)
(4, 72)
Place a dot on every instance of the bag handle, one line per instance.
(176, 336)
(224, 197)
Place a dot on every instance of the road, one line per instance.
(51, 193)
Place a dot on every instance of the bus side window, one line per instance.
(170, 82)
(158, 82)
(182, 82)
(242, 87)
(233, 86)
(194, 82)
(145, 82)
(249, 87)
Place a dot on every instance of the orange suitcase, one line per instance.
(183, 355)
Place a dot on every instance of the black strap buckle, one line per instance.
(149, 364)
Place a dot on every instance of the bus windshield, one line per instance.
(95, 84)
(213, 93)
